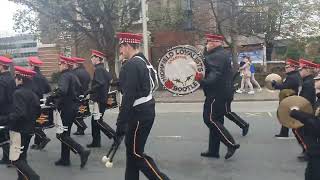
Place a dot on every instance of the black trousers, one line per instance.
(81, 125)
(100, 125)
(214, 110)
(4, 136)
(299, 134)
(39, 136)
(25, 172)
(312, 170)
(234, 117)
(138, 131)
(67, 143)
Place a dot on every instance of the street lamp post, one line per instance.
(145, 28)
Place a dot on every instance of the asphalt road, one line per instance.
(178, 137)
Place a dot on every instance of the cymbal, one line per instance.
(286, 93)
(290, 103)
(270, 78)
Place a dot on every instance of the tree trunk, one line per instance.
(269, 50)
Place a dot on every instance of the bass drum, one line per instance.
(179, 67)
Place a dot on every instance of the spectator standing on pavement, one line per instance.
(253, 80)
(246, 76)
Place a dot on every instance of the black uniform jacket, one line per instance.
(68, 91)
(7, 87)
(293, 81)
(312, 129)
(308, 91)
(134, 83)
(83, 77)
(40, 84)
(218, 80)
(26, 109)
(100, 84)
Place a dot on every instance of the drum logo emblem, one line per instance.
(42, 119)
(82, 109)
(178, 68)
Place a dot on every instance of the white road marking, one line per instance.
(270, 114)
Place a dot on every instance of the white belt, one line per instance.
(142, 100)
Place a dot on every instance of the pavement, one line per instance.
(198, 96)
(176, 140)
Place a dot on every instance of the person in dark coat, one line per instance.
(7, 87)
(84, 78)
(218, 89)
(137, 111)
(22, 120)
(307, 90)
(98, 94)
(312, 135)
(40, 87)
(67, 101)
(292, 81)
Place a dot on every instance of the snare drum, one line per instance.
(112, 100)
(84, 109)
(45, 120)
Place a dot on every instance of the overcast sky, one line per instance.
(7, 10)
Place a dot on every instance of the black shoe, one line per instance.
(5, 161)
(93, 145)
(44, 143)
(231, 151)
(211, 155)
(34, 146)
(303, 157)
(79, 133)
(245, 130)
(281, 136)
(84, 157)
(62, 163)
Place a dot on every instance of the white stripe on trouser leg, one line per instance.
(140, 156)
(217, 125)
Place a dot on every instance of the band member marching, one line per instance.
(84, 78)
(311, 135)
(218, 89)
(98, 94)
(22, 120)
(66, 96)
(137, 112)
(292, 81)
(40, 87)
(7, 87)
(307, 73)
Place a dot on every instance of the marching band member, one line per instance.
(311, 135)
(98, 94)
(40, 87)
(7, 87)
(22, 120)
(218, 74)
(292, 81)
(137, 111)
(307, 72)
(67, 96)
(84, 79)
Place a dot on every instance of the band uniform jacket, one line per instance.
(218, 80)
(40, 84)
(68, 91)
(134, 82)
(312, 129)
(26, 109)
(308, 91)
(83, 77)
(100, 84)
(7, 87)
(292, 81)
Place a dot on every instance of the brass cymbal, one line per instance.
(290, 103)
(286, 93)
(270, 78)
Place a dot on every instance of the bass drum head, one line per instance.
(178, 68)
